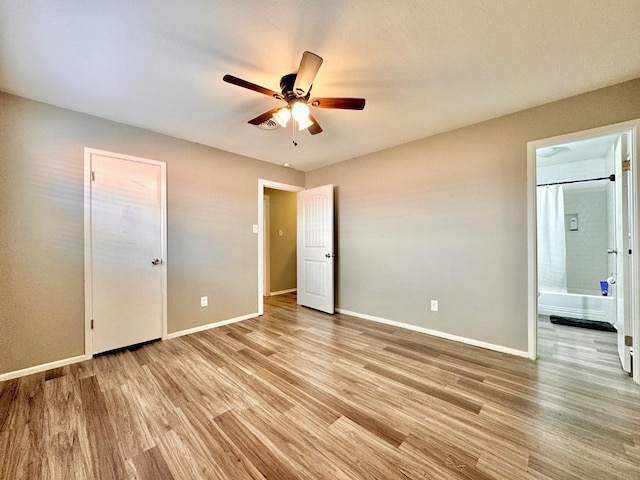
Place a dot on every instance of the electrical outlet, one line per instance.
(204, 301)
(434, 305)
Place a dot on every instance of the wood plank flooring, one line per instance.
(296, 394)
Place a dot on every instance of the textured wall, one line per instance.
(282, 216)
(445, 218)
(212, 205)
(439, 218)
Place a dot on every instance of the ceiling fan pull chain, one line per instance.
(293, 133)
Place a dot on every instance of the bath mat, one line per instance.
(579, 322)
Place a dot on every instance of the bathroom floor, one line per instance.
(578, 347)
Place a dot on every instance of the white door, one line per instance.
(623, 259)
(315, 249)
(126, 238)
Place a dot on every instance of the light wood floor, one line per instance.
(296, 394)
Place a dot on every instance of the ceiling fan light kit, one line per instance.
(299, 110)
(295, 90)
(282, 116)
(304, 123)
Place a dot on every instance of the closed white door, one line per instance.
(126, 237)
(316, 256)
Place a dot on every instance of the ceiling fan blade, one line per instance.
(251, 86)
(343, 103)
(309, 66)
(264, 117)
(315, 128)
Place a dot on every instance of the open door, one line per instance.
(315, 249)
(622, 250)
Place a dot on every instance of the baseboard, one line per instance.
(42, 368)
(469, 341)
(436, 333)
(68, 361)
(282, 292)
(201, 328)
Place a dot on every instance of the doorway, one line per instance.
(263, 188)
(582, 194)
(125, 250)
(280, 241)
(315, 245)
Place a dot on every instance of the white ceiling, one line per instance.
(424, 66)
(576, 151)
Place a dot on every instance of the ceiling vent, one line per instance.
(268, 125)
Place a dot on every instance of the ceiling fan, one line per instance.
(296, 91)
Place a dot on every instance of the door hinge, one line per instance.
(626, 165)
(92, 324)
(628, 341)
(93, 176)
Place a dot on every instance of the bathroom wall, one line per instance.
(586, 247)
(590, 203)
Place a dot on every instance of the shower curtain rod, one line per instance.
(611, 177)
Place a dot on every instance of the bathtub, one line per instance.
(587, 307)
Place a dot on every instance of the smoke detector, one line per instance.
(268, 125)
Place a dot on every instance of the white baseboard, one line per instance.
(282, 292)
(42, 368)
(436, 333)
(82, 358)
(209, 326)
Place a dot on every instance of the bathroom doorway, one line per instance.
(584, 217)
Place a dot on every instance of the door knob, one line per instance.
(611, 250)
(156, 261)
(330, 255)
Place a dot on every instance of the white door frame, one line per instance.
(88, 271)
(262, 184)
(267, 246)
(633, 127)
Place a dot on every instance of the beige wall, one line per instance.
(282, 216)
(445, 217)
(441, 218)
(212, 205)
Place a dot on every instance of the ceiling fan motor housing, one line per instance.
(287, 84)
